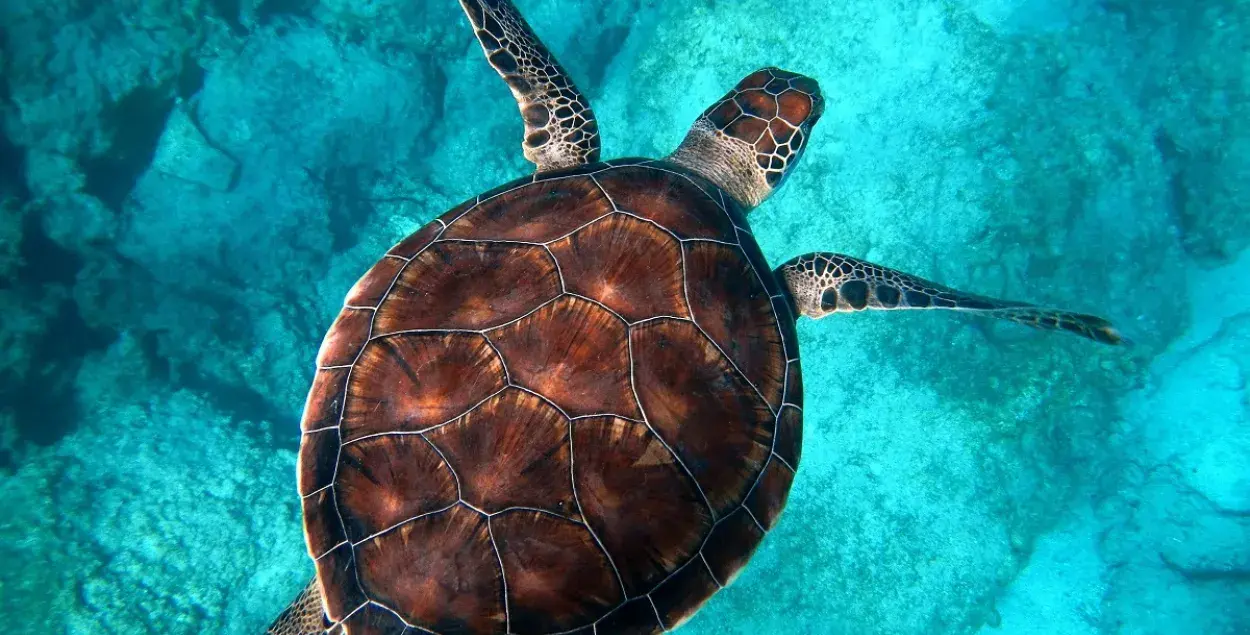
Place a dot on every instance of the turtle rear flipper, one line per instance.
(560, 127)
(824, 283)
(305, 616)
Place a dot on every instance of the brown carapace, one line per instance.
(571, 404)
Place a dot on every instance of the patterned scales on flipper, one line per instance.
(304, 615)
(508, 431)
(825, 283)
(560, 127)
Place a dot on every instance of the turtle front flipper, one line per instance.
(305, 616)
(560, 127)
(824, 283)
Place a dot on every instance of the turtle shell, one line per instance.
(571, 403)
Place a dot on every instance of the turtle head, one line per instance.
(750, 139)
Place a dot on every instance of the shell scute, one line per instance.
(556, 584)
(468, 285)
(611, 458)
(681, 595)
(318, 455)
(347, 335)
(669, 199)
(447, 555)
(636, 616)
(574, 353)
(725, 552)
(324, 404)
(539, 212)
(415, 381)
(322, 526)
(336, 570)
(682, 379)
(734, 307)
(384, 481)
(605, 260)
(373, 620)
(533, 436)
(769, 496)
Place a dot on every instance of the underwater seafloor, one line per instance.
(190, 186)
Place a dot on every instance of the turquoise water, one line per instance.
(191, 186)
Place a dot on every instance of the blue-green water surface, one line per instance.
(189, 187)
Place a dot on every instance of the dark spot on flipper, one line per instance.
(1078, 328)
(917, 299)
(944, 302)
(856, 294)
(888, 296)
(518, 83)
(829, 299)
(488, 41)
(773, 178)
(537, 138)
(492, 26)
(536, 115)
(503, 61)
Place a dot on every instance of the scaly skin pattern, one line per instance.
(753, 136)
(560, 127)
(303, 617)
(822, 284)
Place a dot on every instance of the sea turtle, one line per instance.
(573, 404)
